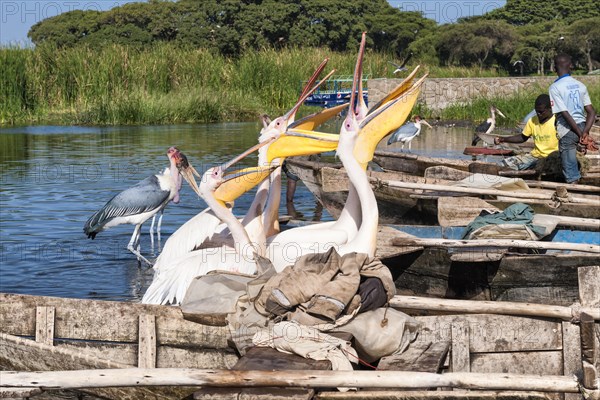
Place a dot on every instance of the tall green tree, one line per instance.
(478, 42)
(585, 36)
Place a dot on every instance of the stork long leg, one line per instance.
(410, 146)
(135, 242)
(159, 225)
(152, 234)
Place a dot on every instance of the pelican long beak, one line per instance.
(398, 91)
(360, 109)
(240, 157)
(298, 142)
(313, 121)
(381, 122)
(239, 182)
(290, 114)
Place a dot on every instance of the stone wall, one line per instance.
(438, 93)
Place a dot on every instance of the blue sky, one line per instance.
(17, 16)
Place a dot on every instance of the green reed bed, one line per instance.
(515, 108)
(169, 84)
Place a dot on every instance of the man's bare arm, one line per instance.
(589, 119)
(520, 138)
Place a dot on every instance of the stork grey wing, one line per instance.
(405, 131)
(483, 127)
(147, 195)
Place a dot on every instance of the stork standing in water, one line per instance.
(407, 132)
(142, 201)
(484, 130)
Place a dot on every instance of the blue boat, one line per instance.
(334, 92)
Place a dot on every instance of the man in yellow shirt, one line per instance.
(543, 130)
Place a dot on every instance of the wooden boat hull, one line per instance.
(329, 184)
(417, 164)
(550, 278)
(90, 334)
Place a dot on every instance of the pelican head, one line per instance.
(277, 126)
(350, 127)
(216, 176)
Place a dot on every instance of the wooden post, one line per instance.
(571, 354)
(461, 358)
(44, 325)
(589, 296)
(147, 341)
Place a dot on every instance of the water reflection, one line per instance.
(54, 178)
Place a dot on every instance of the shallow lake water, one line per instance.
(53, 178)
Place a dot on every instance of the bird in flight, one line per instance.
(400, 68)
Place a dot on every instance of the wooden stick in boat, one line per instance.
(493, 192)
(568, 186)
(522, 244)
(309, 379)
(491, 307)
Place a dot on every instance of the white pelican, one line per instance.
(202, 227)
(170, 284)
(386, 115)
(407, 132)
(140, 202)
(484, 130)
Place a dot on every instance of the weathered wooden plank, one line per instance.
(496, 333)
(253, 394)
(589, 295)
(588, 352)
(460, 361)
(571, 354)
(16, 393)
(508, 243)
(166, 357)
(44, 325)
(437, 395)
(589, 286)
(544, 294)
(526, 363)
(106, 320)
(269, 359)
(428, 357)
(135, 377)
(20, 354)
(147, 342)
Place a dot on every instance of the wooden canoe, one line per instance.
(523, 350)
(48, 333)
(329, 184)
(417, 164)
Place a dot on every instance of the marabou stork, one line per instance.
(407, 132)
(142, 201)
(484, 130)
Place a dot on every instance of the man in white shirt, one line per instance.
(574, 115)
